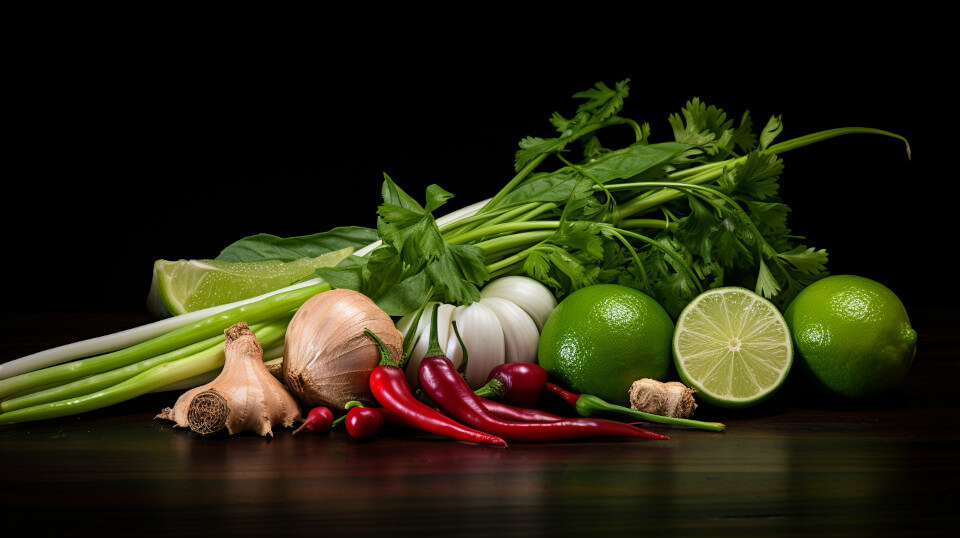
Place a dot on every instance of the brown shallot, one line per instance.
(327, 357)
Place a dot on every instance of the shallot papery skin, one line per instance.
(327, 358)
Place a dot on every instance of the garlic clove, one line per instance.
(520, 334)
(483, 337)
(533, 297)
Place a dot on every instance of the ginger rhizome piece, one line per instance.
(672, 399)
(245, 396)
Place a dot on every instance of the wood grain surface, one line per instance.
(790, 467)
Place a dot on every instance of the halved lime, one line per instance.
(189, 285)
(733, 347)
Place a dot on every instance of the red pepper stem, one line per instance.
(570, 397)
(493, 390)
(346, 407)
(408, 339)
(434, 349)
(463, 363)
(386, 359)
(422, 396)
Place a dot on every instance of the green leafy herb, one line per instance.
(264, 247)
(669, 218)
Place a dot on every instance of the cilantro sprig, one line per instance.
(670, 218)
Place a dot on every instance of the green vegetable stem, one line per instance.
(266, 309)
(149, 380)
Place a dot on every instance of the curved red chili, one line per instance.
(441, 382)
(389, 386)
(518, 414)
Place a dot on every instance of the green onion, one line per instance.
(103, 380)
(262, 310)
(154, 378)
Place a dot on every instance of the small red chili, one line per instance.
(318, 420)
(515, 383)
(363, 422)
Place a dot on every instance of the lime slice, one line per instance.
(733, 347)
(188, 285)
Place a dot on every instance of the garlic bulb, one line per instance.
(327, 358)
(520, 333)
(245, 396)
(533, 297)
(482, 335)
(503, 326)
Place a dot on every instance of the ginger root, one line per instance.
(245, 396)
(672, 399)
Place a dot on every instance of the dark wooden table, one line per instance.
(790, 467)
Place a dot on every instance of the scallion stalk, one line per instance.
(265, 309)
(93, 383)
(124, 339)
(152, 379)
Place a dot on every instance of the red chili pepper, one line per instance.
(319, 420)
(501, 383)
(502, 410)
(568, 396)
(441, 382)
(516, 383)
(518, 414)
(389, 386)
(363, 422)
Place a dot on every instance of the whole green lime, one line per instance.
(602, 338)
(852, 336)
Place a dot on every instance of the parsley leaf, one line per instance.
(602, 101)
(756, 177)
(807, 259)
(767, 285)
(770, 132)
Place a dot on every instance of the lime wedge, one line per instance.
(733, 347)
(188, 285)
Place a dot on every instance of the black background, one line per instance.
(136, 141)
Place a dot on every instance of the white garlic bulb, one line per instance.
(503, 326)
